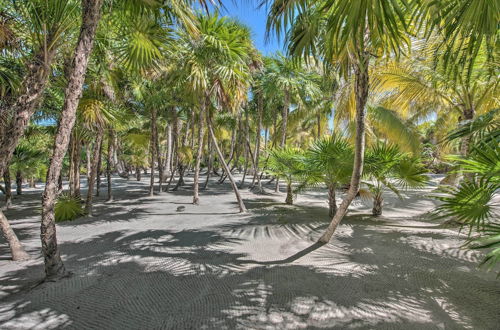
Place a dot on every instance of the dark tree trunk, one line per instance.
(158, 155)
(138, 173)
(168, 156)
(361, 91)
(210, 163)
(8, 189)
(152, 147)
(93, 172)
(241, 205)
(91, 9)
(75, 159)
(19, 183)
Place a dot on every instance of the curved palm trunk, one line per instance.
(93, 173)
(8, 189)
(241, 205)
(91, 9)
(361, 89)
(196, 182)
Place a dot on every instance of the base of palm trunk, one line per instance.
(377, 206)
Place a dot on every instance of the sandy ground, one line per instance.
(141, 264)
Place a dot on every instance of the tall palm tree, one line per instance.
(348, 33)
(217, 68)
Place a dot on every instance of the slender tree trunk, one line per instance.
(75, 158)
(93, 172)
(99, 171)
(168, 156)
(257, 140)
(361, 90)
(196, 183)
(332, 203)
(91, 9)
(138, 173)
(8, 189)
(289, 194)
(152, 149)
(241, 205)
(318, 120)
(19, 183)
(210, 163)
(377, 204)
(108, 166)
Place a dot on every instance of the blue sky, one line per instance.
(246, 12)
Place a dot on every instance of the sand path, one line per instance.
(140, 264)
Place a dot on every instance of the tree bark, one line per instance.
(16, 249)
(91, 9)
(257, 140)
(109, 160)
(152, 149)
(199, 151)
(241, 205)
(99, 171)
(289, 194)
(168, 157)
(361, 90)
(377, 204)
(210, 163)
(19, 183)
(8, 189)
(332, 203)
(93, 172)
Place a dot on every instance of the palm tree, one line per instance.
(471, 203)
(388, 167)
(330, 160)
(287, 163)
(45, 25)
(349, 33)
(217, 68)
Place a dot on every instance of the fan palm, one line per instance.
(388, 167)
(287, 163)
(330, 160)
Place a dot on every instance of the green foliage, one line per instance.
(67, 208)
(286, 163)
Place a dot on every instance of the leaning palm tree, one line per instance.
(349, 33)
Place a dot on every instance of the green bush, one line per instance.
(68, 208)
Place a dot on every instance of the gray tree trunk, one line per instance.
(93, 172)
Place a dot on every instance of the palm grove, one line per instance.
(369, 98)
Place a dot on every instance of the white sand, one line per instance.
(140, 264)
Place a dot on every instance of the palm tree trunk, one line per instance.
(168, 157)
(153, 156)
(289, 194)
(32, 88)
(257, 140)
(19, 183)
(241, 205)
(99, 171)
(377, 204)
(332, 203)
(108, 166)
(16, 249)
(75, 158)
(138, 173)
(8, 189)
(210, 163)
(199, 151)
(361, 90)
(93, 172)
(91, 9)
